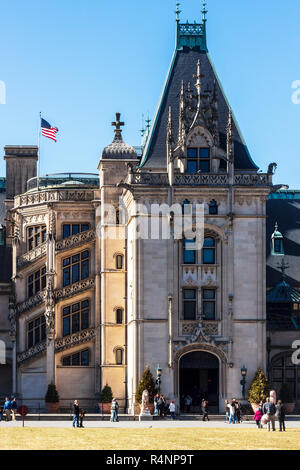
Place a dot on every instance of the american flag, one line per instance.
(48, 130)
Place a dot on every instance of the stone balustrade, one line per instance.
(32, 255)
(75, 339)
(76, 240)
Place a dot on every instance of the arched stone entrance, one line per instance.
(199, 378)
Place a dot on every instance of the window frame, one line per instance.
(190, 301)
(198, 159)
(71, 356)
(119, 309)
(118, 257)
(38, 281)
(41, 327)
(210, 301)
(121, 359)
(71, 224)
(37, 231)
(209, 249)
(70, 267)
(72, 313)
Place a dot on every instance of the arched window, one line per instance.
(213, 208)
(119, 261)
(119, 356)
(119, 316)
(209, 251)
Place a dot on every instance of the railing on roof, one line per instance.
(64, 179)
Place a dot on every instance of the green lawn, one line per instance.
(147, 439)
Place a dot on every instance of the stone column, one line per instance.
(50, 310)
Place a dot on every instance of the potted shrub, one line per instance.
(259, 389)
(106, 397)
(52, 399)
(287, 398)
(146, 383)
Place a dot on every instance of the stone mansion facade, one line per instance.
(81, 308)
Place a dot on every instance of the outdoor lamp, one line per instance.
(158, 377)
(243, 381)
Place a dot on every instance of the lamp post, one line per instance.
(158, 377)
(243, 381)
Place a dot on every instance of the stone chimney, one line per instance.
(21, 165)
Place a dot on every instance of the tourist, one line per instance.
(81, 416)
(232, 412)
(270, 410)
(76, 414)
(237, 412)
(172, 408)
(7, 409)
(257, 417)
(204, 407)
(14, 407)
(156, 398)
(114, 410)
(187, 403)
(227, 410)
(280, 414)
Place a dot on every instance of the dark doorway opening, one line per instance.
(199, 378)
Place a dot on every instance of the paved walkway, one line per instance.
(290, 423)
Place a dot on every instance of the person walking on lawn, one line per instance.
(257, 417)
(280, 414)
(269, 409)
(76, 410)
(204, 407)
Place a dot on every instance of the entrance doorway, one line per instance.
(199, 378)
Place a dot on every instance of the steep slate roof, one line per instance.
(183, 67)
(283, 293)
(284, 208)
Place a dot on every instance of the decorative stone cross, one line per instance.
(118, 123)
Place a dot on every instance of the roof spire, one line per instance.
(117, 123)
(204, 11)
(283, 267)
(177, 12)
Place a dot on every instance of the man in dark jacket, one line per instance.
(76, 414)
(269, 409)
(280, 413)
(204, 406)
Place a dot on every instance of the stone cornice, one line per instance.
(35, 351)
(54, 196)
(61, 344)
(73, 289)
(76, 240)
(32, 255)
(30, 303)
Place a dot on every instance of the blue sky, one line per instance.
(80, 62)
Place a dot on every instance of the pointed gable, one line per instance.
(191, 48)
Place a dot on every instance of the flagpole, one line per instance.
(39, 145)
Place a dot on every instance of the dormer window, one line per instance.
(277, 242)
(198, 159)
(213, 208)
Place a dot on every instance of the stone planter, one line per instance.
(52, 407)
(104, 408)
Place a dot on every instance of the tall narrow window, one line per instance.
(119, 316)
(36, 331)
(209, 304)
(119, 356)
(119, 262)
(189, 304)
(76, 268)
(198, 159)
(36, 281)
(189, 254)
(209, 251)
(35, 236)
(75, 317)
(213, 208)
